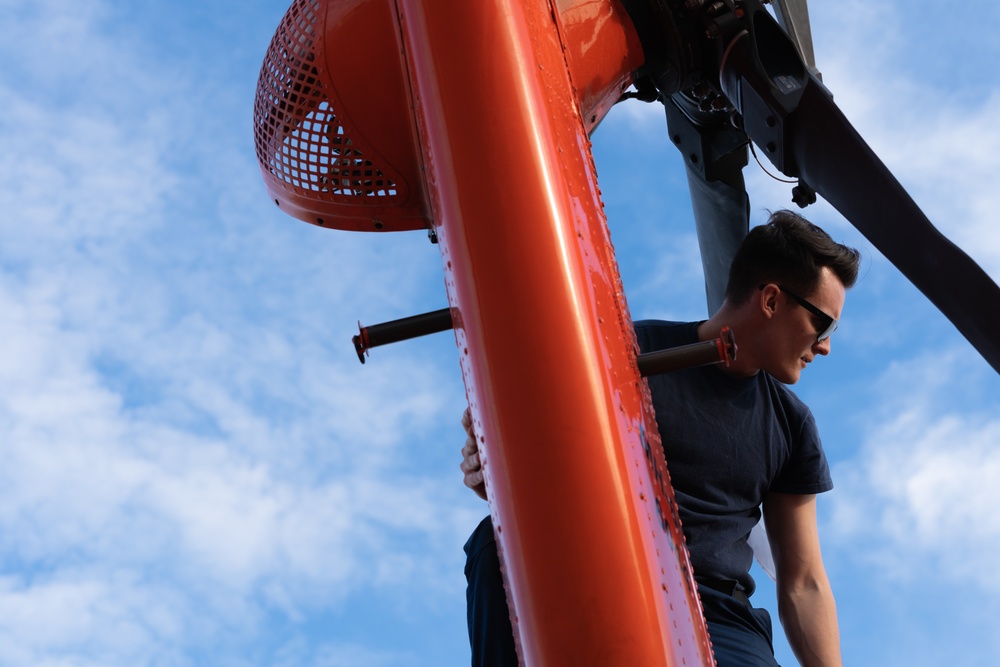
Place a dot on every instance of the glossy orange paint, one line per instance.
(602, 51)
(586, 521)
(472, 119)
(333, 127)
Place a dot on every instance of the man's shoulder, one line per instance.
(660, 334)
(806, 471)
(783, 391)
(795, 409)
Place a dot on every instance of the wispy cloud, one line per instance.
(937, 136)
(197, 470)
(190, 447)
(919, 496)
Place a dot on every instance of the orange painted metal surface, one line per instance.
(333, 128)
(602, 52)
(382, 115)
(585, 516)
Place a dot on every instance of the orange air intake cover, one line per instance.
(333, 124)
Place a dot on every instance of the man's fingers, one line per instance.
(470, 463)
(471, 446)
(474, 480)
(467, 422)
(471, 466)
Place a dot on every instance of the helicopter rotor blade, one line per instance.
(792, 117)
(836, 161)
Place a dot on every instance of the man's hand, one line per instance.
(471, 465)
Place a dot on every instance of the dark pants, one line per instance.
(741, 634)
(490, 633)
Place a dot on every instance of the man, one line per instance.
(736, 439)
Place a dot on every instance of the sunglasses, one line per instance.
(827, 325)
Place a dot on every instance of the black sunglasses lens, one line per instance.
(826, 324)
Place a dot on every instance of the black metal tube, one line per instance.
(720, 350)
(402, 329)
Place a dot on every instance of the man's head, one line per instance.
(791, 278)
(789, 250)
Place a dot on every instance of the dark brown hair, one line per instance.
(790, 251)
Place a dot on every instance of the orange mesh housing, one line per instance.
(333, 126)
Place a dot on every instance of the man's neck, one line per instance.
(737, 321)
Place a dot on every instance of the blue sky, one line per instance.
(197, 471)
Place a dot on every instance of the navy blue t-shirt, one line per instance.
(728, 441)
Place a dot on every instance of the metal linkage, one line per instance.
(718, 351)
(398, 330)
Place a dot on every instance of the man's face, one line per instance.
(796, 329)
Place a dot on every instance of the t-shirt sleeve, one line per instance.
(806, 471)
(653, 335)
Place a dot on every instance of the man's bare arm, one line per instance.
(806, 605)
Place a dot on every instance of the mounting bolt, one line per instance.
(803, 194)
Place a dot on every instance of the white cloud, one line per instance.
(256, 505)
(918, 500)
(635, 118)
(189, 446)
(672, 286)
(192, 457)
(936, 139)
(76, 619)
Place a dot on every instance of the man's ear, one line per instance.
(768, 300)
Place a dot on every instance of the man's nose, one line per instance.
(822, 347)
